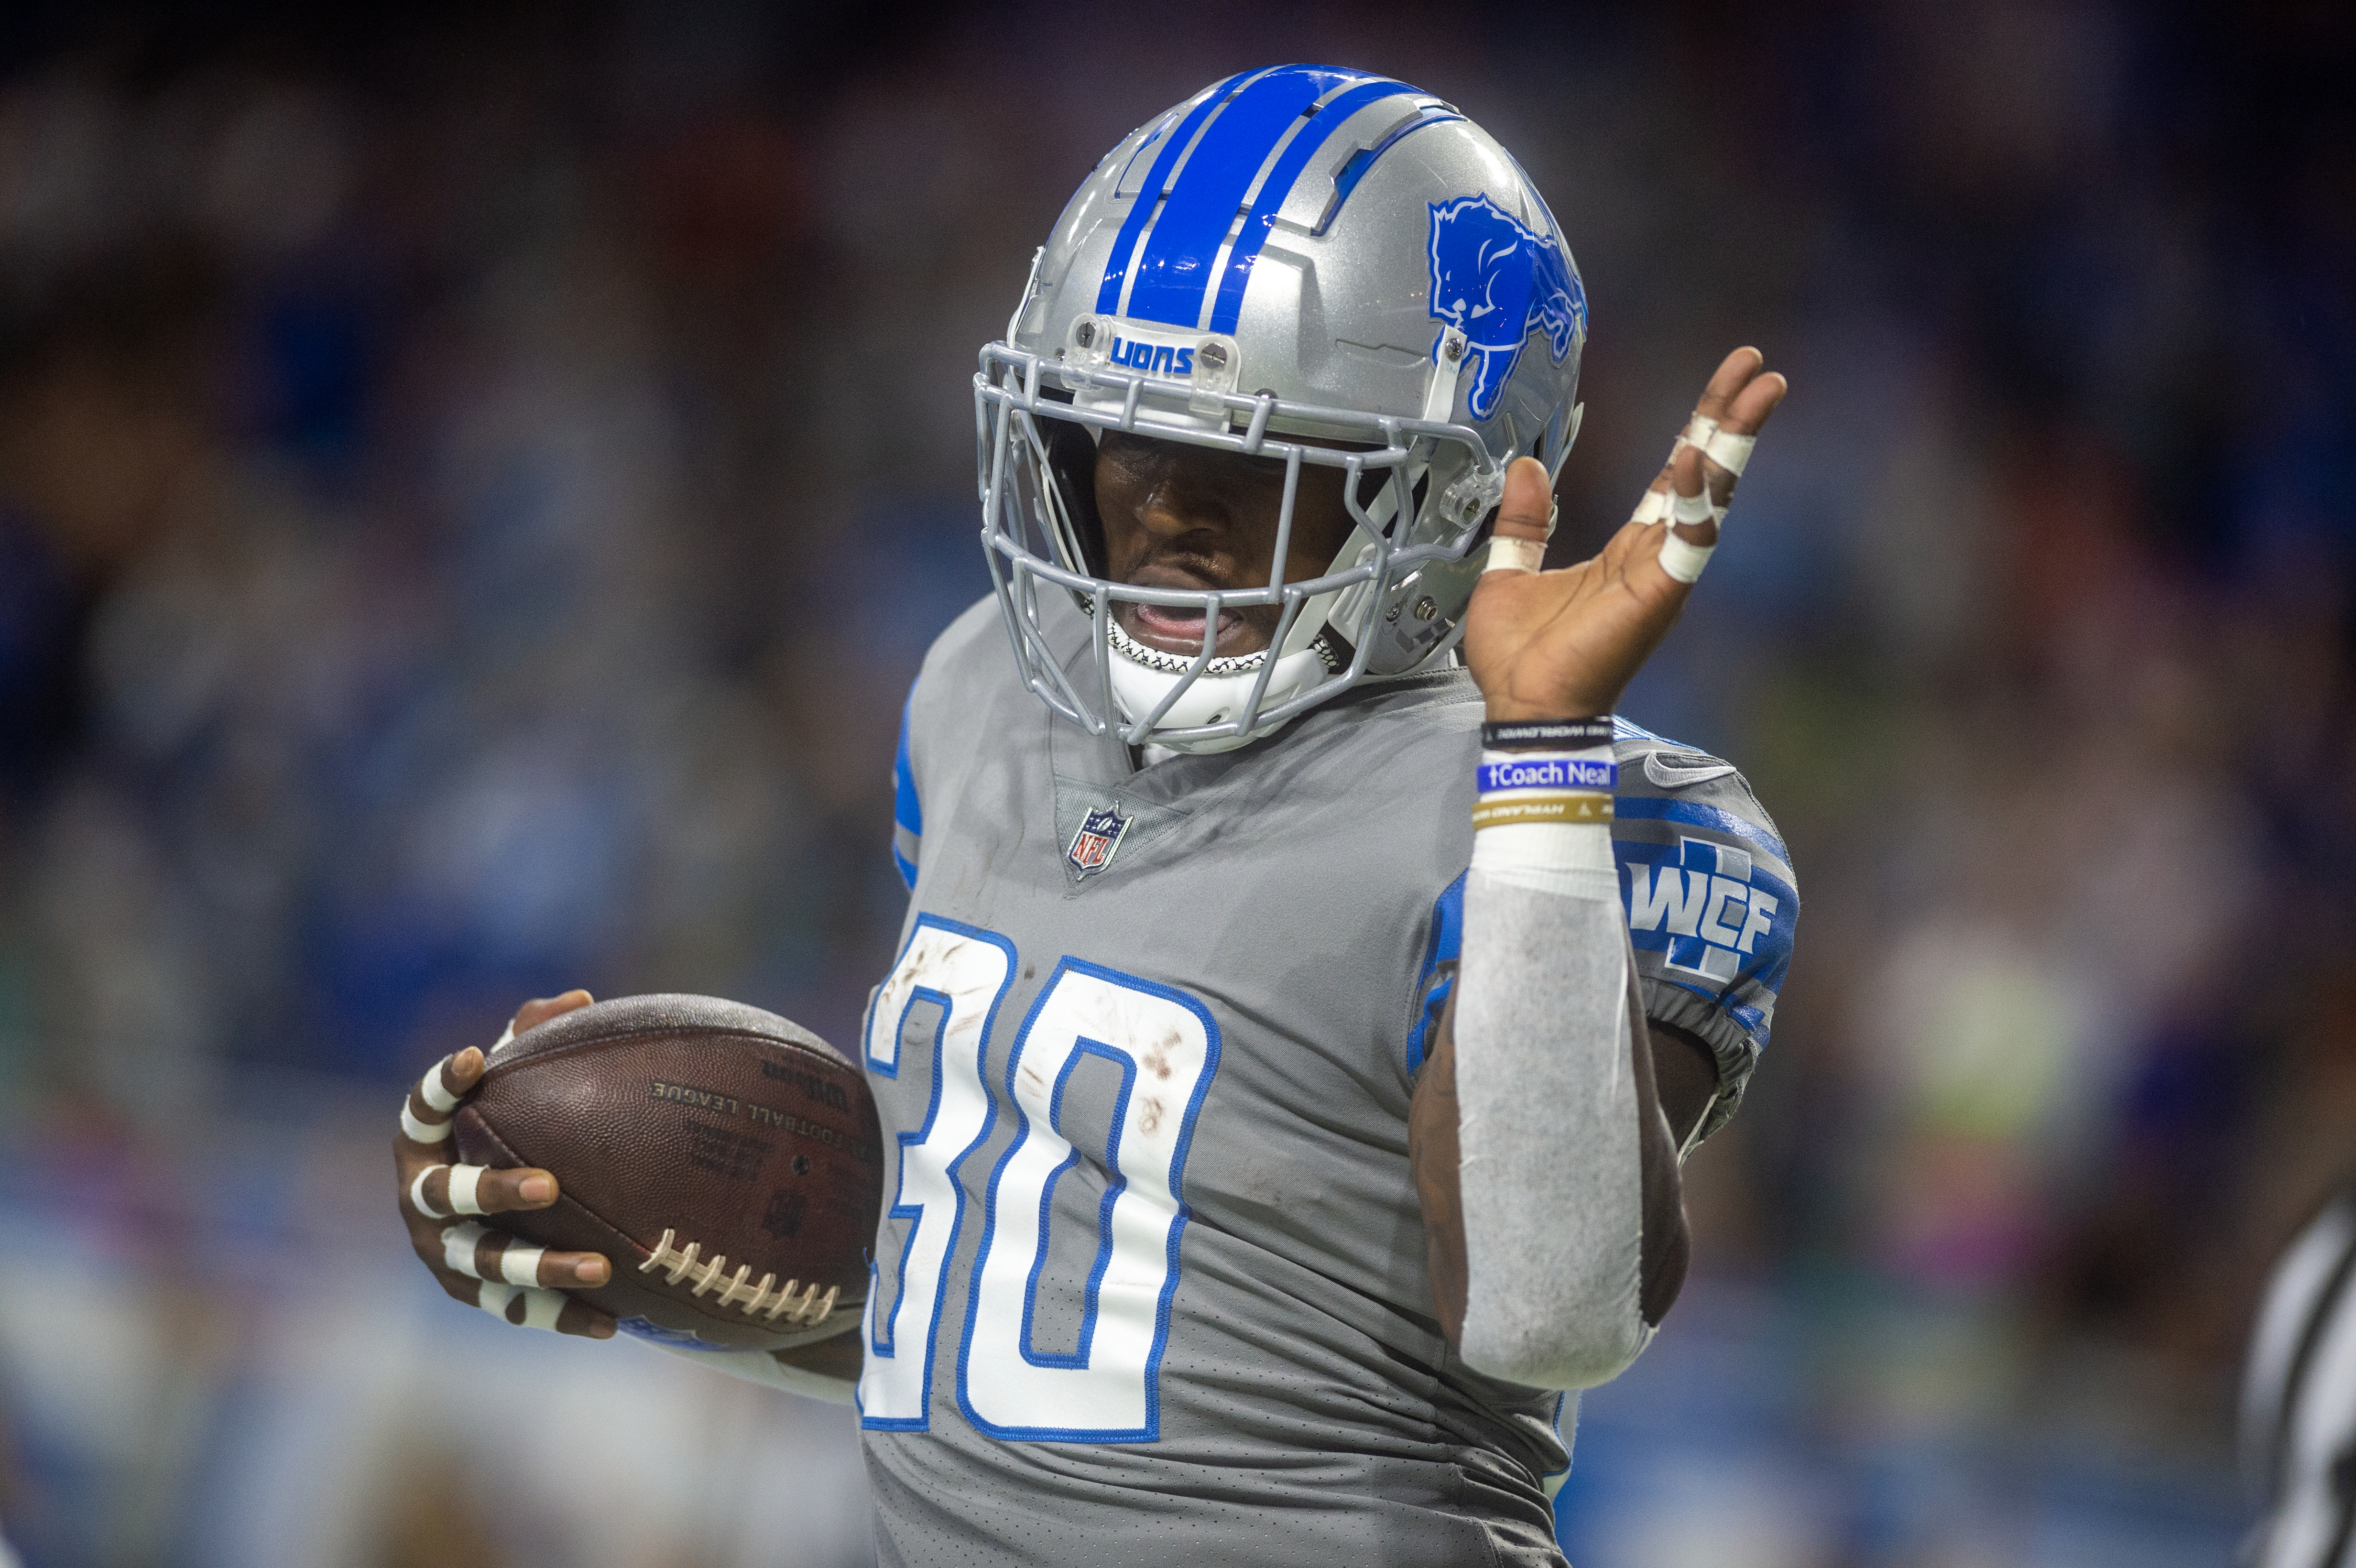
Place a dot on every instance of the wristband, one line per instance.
(1545, 770)
(1578, 732)
(1571, 808)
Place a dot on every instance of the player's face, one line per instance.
(1177, 516)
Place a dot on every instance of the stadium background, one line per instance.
(476, 483)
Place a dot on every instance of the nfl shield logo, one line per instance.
(1098, 837)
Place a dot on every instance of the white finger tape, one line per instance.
(1721, 447)
(1692, 508)
(520, 1265)
(1730, 452)
(1516, 555)
(507, 1039)
(1684, 561)
(1652, 508)
(434, 1088)
(458, 1243)
(419, 1131)
(465, 1183)
(417, 1198)
(541, 1307)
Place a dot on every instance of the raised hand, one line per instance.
(1563, 644)
(440, 1202)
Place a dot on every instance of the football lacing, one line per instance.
(807, 1307)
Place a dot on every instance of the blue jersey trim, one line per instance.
(1652, 809)
(1173, 273)
(1148, 196)
(1445, 945)
(1258, 223)
(907, 809)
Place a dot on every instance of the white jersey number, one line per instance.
(964, 971)
(1164, 1047)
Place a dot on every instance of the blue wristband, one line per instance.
(1546, 770)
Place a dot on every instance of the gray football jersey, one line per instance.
(1151, 1285)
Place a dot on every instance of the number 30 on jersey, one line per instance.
(1164, 1047)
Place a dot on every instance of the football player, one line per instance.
(2299, 1398)
(1280, 1120)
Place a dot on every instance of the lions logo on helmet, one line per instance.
(1493, 281)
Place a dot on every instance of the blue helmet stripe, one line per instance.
(1174, 270)
(1278, 184)
(1148, 194)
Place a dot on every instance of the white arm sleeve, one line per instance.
(760, 1367)
(1551, 1177)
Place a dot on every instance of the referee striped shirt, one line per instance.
(2299, 1400)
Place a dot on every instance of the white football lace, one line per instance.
(808, 1308)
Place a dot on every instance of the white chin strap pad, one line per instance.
(1212, 698)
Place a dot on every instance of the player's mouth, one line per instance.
(1178, 630)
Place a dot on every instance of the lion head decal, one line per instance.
(1495, 281)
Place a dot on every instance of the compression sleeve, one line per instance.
(760, 1367)
(1558, 1128)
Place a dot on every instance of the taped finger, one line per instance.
(425, 1115)
(1515, 555)
(441, 1192)
(1684, 561)
(1509, 552)
(1721, 447)
(526, 1306)
(1680, 558)
(493, 1256)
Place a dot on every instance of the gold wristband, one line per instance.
(1551, 806)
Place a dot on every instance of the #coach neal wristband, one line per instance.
(1545, 770)
(1547, 732)
(1518, 789)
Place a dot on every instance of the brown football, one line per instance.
(726, 1160)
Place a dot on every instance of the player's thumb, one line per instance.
(1527, 510)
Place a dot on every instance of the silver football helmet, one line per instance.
(1294, 252)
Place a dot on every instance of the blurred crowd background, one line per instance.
(476, 483)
